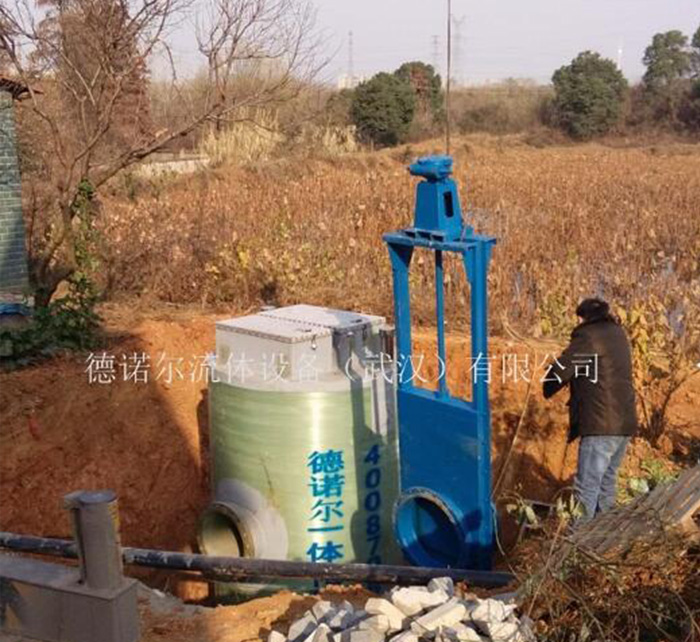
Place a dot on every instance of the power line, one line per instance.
(435, 43)
(351, 56)
(458, 48)
(448, 118)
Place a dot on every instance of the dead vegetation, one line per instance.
(632, 573)
(652, 592)
(570, 222)
(88, 114)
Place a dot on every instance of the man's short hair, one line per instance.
(591, 309)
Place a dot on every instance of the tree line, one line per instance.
(590, 96)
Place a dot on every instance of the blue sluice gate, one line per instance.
(444, 515)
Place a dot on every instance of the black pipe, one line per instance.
(251, 569)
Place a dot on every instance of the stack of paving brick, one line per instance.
(412, 614)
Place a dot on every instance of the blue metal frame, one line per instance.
(444, 515)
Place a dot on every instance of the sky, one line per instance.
(497, 39)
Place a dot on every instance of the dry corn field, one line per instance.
(570, 221)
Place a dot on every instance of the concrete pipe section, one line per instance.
(241, 523)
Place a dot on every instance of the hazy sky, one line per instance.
(499, 39)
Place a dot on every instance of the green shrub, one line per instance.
(382, 110)
(589, 95)
(689, 112)
(667, 60)
(68, 323)
(426, 85)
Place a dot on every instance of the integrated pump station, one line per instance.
(303, 438)
(304, 427)
(443, 517)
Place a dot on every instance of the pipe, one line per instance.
(250, 569)
(428, 527)
(240, 522)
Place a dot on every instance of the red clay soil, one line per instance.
(147, 441)
(59, 432)
(252, 620)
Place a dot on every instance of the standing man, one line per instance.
(597, 366)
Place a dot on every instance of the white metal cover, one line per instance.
(278, 329)
(301, 338)
(323, 317)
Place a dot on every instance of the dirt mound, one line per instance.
(62, 432)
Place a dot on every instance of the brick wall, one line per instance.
(13, 255)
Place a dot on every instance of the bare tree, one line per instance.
(85, 63)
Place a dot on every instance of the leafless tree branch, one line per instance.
(82, 59)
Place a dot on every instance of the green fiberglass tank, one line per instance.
(303, 438)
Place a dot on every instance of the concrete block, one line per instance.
(322, 610)
(509, 599)
(504, 632)
(414, 599)
(460, 632)
(347, 606)
(376, 623)
(276, 636)
(399, 589)
(302, 628)
(446, 614)
(45, 601)
(359, 635)
(341, 619)
(357, 617)
(434, 598)
(442, 584)
(409, 600)
(405, 636)
(380, 606)
(322, 633)
(489, 611)
(446, 635)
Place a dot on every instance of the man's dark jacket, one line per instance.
(597, 366)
